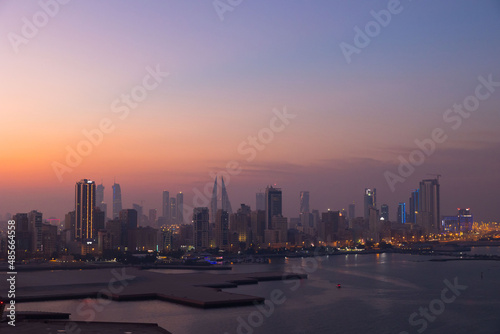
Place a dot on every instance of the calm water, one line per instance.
(379, 293)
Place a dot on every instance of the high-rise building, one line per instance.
(152, 216)
(222, 230)
(258, 223)
(374, 224)
(370, 201)
(273, 204)
(329, 226)
(117, 200)
(128, 217)
(180, 208)
(429, 216)
(304, 202)
(384, 212)
(213, 203)
(70, 225)
(465, 220)
(414, 206)
(240, 224)
(200, 228)
(85, 197)
(402, 213)
(173, 210)
(352, 211)
(99, 194)
(260, 201)
(139, 209)
(226, 204)
(35, 227)
(23, 235)
(99, 199)
(166, 204)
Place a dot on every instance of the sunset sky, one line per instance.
(225, 77)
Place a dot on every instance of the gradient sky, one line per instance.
(226, 77)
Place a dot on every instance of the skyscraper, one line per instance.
(85, 200)
(304, 201)
(222, 230)
(129, 218)
(173, 210)
(117, 200)
(273, 204)
(200, 228)
(152, 216)
(384, 212)
(370, 201)
(352, 211)
(402, 213)
(429, 215)
(35, 227)
(260, 201)
(213, 203)
(180, 208)
(414, 206)
(166, 205)
(139, 210)
(99, 199)
(226, 204)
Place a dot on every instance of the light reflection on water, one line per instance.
(378, 294)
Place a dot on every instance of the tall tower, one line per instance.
(273, 204)
(117, 200)
(304, 202)
(260, 201)
(384, 212)
(166, 205)
(99, 199)
(222, 230)
(35, 228)
(180, 208)
(200, 228)
(85, 197)
(414, 206)
(213, 203)
(429, 215)
(370, 201)
(352, 211)
(226, 204)
(402, 213)
(173, 210)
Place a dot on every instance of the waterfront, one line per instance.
(378, 295)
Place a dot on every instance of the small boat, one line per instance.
(339, 286)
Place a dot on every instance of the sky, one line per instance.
(173, 91)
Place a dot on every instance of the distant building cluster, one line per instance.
(88, 230)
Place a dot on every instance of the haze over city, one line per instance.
(352, 119)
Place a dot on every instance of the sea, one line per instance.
(354, 293)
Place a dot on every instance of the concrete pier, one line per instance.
(199, 289)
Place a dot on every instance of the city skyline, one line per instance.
(324, 122)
